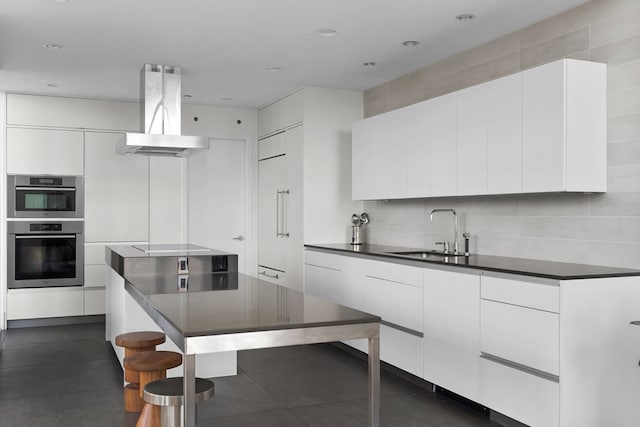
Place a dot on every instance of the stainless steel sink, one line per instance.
(426, 254)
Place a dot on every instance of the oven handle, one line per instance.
(47, 188)
(48, 236)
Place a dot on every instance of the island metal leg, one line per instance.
(189, 383)
(374, 380)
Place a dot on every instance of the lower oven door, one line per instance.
(45, 260)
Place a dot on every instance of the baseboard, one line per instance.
(55, 321)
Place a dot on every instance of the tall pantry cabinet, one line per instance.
(304, 178)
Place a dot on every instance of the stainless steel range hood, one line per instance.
(161, 89)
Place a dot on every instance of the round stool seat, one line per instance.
(169, 391)
(142, 339)
(148, 361)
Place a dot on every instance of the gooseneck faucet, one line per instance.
(455, 219)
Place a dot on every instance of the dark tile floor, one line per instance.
(67, 376)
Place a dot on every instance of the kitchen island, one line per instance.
(226, 311)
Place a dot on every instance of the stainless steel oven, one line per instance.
(45, 254)
(45, 196)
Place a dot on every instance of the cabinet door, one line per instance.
(504, 135)
(281, 114)
(472, 140)
(452, 331)
(39, 303)
(379, 156)
(44, 151)
(543, 128)
(444, 145)
(116, 192)
(271, 182)
(419, 150)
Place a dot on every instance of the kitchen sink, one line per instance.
(426, 254)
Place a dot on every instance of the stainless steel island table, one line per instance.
(231, 311)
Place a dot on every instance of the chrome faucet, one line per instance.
(455, 219)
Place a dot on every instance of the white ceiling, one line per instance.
(225, 46)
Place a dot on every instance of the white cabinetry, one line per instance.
(504, 135)
(312, 168)
(451, 331)
(541, 130)
(44, 151)
(116, 192)
(419, 149)
(39, 303)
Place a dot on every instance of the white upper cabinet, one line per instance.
(541, 130)
(281, 114)
(116, 192)
(444, 136)
(472, 140)
(380, 156)
(44, 151)
(419, 150)
(504, 135)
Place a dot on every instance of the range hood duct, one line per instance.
(161, 91)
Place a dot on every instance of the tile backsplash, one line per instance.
(585, 228)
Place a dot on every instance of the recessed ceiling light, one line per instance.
(61, 1)
(53, 84)
(273, 69)
(53, 46)
(226, 99)
(410, 43)
(369, 64)
(327, 32)
(465, 17)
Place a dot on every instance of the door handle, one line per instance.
(285, 213)
(273, 276)
(278, 209)
(239, 238)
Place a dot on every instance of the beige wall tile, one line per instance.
(616, 204)
(493, 225)
(615, 229)
(375, 93)
(623, 153)
(379, 106)
(555, 227)
(499, 67)
(555, 250)
(624, 76)
(626, 255)
(623, 128)
(623, 102)
(619, 52)
(485, 53)
(620, 27)
(623, 178)
(555, 205)
(603, 10)
(494, 245)
(560, 47)
(556, 26)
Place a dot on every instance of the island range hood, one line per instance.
(162, 105)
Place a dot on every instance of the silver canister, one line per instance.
(357, 232)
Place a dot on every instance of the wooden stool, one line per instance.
(151, 365)
(164, 401)
(136, 342)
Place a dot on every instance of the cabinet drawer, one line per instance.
(44, 302)
(526, 294)
(522, 335)
(395, 302)
(273, 276)
(394, 272)
(322, 259)
(272, 146)
(323, 282)
(527, 398)
(94, 301)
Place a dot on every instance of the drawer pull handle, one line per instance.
(273, 276)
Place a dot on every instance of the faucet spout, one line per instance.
(455, 219)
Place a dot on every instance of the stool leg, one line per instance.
(148, 376)
(132, 376)
(132, 400)
(149, 417)
(171, 416)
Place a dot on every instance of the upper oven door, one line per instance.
(45, 197)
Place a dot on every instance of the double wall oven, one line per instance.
(45, 231)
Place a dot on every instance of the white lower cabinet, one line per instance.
(94, 301)
(451, 331)
(37, 303)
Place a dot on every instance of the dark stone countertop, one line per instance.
(521, 266)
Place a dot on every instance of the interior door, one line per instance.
(217, 198)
